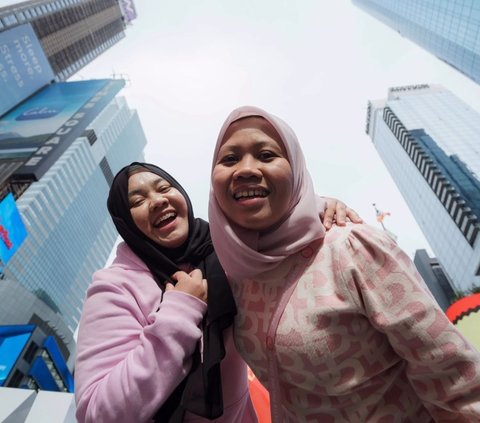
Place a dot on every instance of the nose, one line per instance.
(158, 200)
(248, 167)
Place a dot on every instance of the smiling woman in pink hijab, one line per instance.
(337, 325)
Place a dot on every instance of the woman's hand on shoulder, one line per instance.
(191, 283)
(337, 212)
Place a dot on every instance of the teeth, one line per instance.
(165, 217)
(251, 193)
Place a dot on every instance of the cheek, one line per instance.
(285, 180)
(218, 182)
(138, 218)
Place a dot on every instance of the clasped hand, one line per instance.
(191, 283)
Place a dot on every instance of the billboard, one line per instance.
(24, 68)
(41, 129)
(12, 229)
(13, 340)
(128, 10)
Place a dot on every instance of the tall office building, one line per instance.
(434, 276)
(448, 29)
(72, 137)
(71, 32)
(428, 140)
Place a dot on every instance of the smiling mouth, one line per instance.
(165, 220)
(250, 193)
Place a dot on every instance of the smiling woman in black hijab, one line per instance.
(141, 353)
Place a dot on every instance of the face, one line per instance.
(158, 209)
(252, 177)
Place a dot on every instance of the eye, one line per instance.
(228, 159)
(266, 155)
(135, 202)
(164, 188)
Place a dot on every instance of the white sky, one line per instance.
(313, 63)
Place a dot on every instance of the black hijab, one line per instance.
(201, 391)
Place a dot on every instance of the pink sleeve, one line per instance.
(128, 364)
(443, 368)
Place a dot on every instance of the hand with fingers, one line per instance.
(191, 283)
(337, 212)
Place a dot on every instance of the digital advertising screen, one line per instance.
(42, 127)
(13, 339)
(12, 229)
(128, 9)
(24, 68)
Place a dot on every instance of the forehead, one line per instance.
(143, 177)
(255, 123)
(252, 122)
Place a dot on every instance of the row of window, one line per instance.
(463, 217)
(82, 48)
(32, 13)
(54, 22)
(65, 73)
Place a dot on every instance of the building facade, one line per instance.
(71, 32)
(448, 29)
(35, 343)
(70, 233)
(428, 140)
(435, 277)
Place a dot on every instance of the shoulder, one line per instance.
(361, 248)
(125, 266)
(127, 276)
(354, 238)
(368, 254)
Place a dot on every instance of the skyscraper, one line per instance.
(448, 29)
(428, 140)
(434, 276)
(71, 32)
(67, 178)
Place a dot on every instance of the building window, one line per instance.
(16, 379)
(30, 353)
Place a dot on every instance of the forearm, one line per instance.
(127, 377)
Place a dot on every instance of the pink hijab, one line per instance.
(246, 253)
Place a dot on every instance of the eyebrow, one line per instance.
(139, 191)
(260, 144)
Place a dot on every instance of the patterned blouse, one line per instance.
(347, 331)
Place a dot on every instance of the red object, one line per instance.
(463, 307)
(260, 398)
(5, 237)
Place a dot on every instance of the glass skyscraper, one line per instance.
(70, 233)
(429, 141)
(72, 32)
(450, 29)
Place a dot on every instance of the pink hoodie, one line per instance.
(133, 350)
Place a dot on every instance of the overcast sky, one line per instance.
(313, 63)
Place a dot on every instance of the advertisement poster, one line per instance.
(24, 68)
(12, 229)
(41, 128)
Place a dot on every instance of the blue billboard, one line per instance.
(12, 229)
(58, 360)
(41, 128)
(24, 68)
(13, 340)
